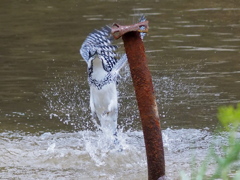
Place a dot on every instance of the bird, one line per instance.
(103, 66)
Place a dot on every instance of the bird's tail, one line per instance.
(109, 122)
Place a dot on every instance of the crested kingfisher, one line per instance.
(103, 66)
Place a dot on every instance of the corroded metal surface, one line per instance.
(118, 30)
(142, 82)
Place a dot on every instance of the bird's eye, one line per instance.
(91, 54)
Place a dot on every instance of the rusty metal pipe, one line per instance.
(142, 81)
(118, 30)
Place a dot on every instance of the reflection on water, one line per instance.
(46, 131)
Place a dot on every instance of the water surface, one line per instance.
(46, 130)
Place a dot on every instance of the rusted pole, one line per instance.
(142, 81)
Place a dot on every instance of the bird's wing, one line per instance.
(99, 42)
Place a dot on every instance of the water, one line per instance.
(88, 155)
(46, 130)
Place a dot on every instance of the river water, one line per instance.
(46, 130)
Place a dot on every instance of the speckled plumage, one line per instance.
(103, 68)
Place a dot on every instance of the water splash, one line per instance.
(67, 99)
(91, 155)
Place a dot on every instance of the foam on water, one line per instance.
(93, 155)
(90, 154)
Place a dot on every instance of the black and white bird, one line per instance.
(103, 65)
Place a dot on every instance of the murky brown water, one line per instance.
(193, 49)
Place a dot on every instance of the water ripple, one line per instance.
(90, 154)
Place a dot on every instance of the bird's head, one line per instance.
(88, 53)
